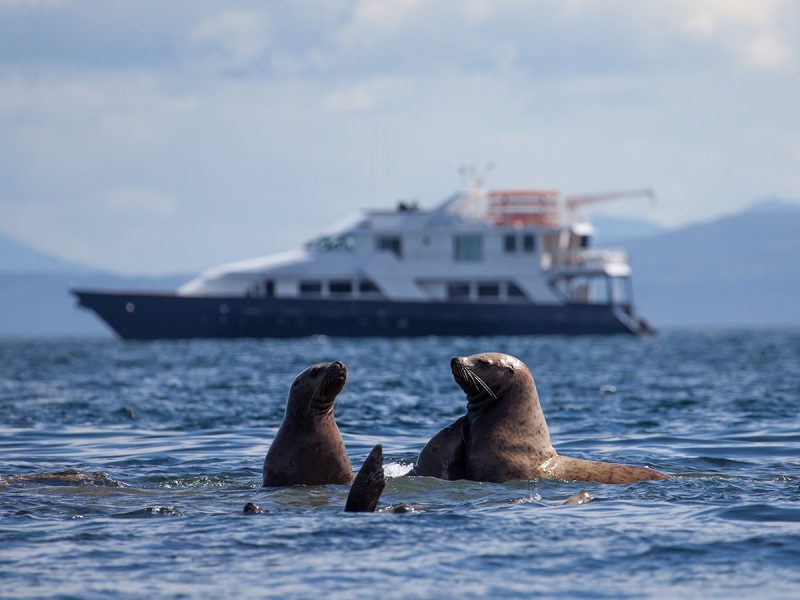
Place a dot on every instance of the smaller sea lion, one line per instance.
(308, 448)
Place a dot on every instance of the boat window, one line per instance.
(391, 243)
(335, 242)
(467, 246)
(488, 290)
(515, 292)
(365, 286)
(341, 287)
(529, 242)
(310, 288)
(458, 290)
(510, 242)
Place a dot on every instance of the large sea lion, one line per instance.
(504, 434)
(308, 448)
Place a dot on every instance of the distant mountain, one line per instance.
(742, 269)
(613, 230)
(39, 304)
(16, 257)
(35, 298)
(772, 205)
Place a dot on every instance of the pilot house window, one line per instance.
(529, 242)
(391, 243)
(468, 247)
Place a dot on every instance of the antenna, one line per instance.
(472, 179)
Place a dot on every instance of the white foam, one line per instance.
(396, 469)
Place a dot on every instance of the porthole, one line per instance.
(130, 307)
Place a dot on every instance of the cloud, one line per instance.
(231, 39)
(365, 96)
(384, 14)
(756, 32)
(114, 124)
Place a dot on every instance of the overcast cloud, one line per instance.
(151, 137)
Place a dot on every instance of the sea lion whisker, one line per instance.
(314, 395)
(480, 384)
(469, 376)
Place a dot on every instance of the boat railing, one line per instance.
(599, 258)
(586, 258)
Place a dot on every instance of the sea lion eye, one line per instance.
(315, 371)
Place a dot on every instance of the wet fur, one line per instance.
(504, 434)
(308, 448)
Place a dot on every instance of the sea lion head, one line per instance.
(490, 378)
(314, 391)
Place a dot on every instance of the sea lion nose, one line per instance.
(339, 366)
(454, 362)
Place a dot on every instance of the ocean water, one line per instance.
(180, 430)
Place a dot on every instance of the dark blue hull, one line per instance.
(164, 316)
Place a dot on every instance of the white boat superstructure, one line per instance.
(500, 246)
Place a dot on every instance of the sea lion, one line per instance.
(68, 477)
(308, 448)
(504, 434)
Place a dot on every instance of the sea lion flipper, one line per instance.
(445, 455)
(577, 469)
(368, 484)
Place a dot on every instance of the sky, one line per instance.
(155, 137)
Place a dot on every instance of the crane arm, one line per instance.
(574, 203)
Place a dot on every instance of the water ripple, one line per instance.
(170, 437)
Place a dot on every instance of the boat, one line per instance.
(500, 262)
